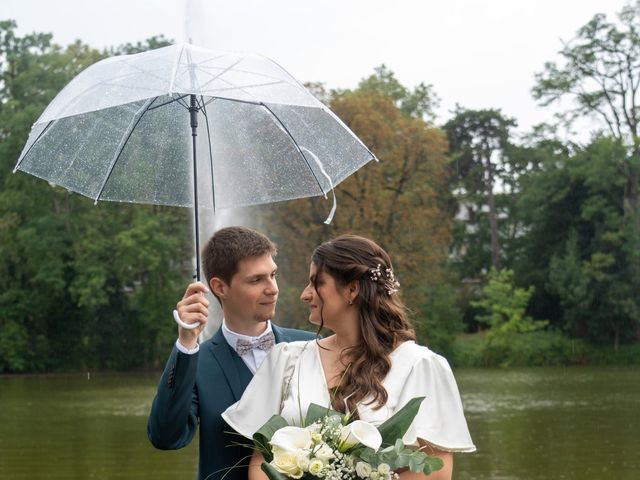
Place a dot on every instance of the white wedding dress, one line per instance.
(292, 377)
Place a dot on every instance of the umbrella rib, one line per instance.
(149, 72)
(123, 142)
(343, 125)
(80, 96)
(206, 121)
(216, 77)
(248, 102)
(257, 74)
(32, 145)
(167, 103)
(286, 130)
(175, 70)
(242, 87)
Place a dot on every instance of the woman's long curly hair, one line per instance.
(382, 316)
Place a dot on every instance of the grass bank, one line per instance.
(536, 349)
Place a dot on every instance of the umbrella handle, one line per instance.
(188, 326)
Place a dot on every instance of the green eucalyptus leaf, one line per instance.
(432, 464)
(263, 436)
(272, 473)
(396, 426)
(399, 446)
(367, 455)
(317, 412)
(417, 463)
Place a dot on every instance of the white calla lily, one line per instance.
(361, 432)
(291, 439)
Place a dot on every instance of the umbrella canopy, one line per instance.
(123, 130)
(126, 129)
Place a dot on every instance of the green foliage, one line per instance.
(598, 72)
(397, 425)
(504, 305)
(393, 452)
(157, 41)
(439, 320)
(83, 286)
(14, 343)
(542, 348)
(398, 202)
(419, 103)
(398, 456)
(263, 436)
(317, 412)
(538, 349)
(577, 251)
(272, 473)
(479, 141)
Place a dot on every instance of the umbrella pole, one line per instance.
(193, 110)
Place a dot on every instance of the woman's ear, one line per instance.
(353, 290)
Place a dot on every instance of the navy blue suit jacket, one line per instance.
(194, 390)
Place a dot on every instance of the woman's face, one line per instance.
(334, 301)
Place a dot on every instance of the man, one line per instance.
(200, 381)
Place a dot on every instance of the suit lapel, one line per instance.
(279, 334)
(235, 370)
(224, 354)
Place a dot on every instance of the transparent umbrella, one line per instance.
(188, 126)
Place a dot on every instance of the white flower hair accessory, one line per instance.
(385, 277)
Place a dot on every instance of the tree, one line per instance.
(600, 72)
(419, 103)
(398, 203)
(478, 140)
(79, 284)
(573, 250)
(503, 306)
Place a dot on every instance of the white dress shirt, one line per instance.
(252, 359)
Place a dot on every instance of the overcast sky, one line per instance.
(480, 54)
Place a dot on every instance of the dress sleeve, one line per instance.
(440, 420)
(263, 397)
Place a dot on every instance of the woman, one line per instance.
(370, 366)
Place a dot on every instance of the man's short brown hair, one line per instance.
(224, 250)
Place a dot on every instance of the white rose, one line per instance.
(360, 432)
(287, 463)
(315, 467)
(363, 470)
(324, 452)
(314, 427)
(291, 439)
(384, 469)
(349, 462)
(303, 463)
(374, 475)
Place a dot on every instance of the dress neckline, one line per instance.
(321, 367)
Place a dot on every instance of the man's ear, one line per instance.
(218, 287)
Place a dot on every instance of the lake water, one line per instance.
(538, 423)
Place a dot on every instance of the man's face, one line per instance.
(252, 294)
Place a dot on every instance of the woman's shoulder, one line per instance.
(409, 355)
(291, 348)
(293, 334)
(283, 357)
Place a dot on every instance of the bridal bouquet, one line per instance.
(332, 447)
